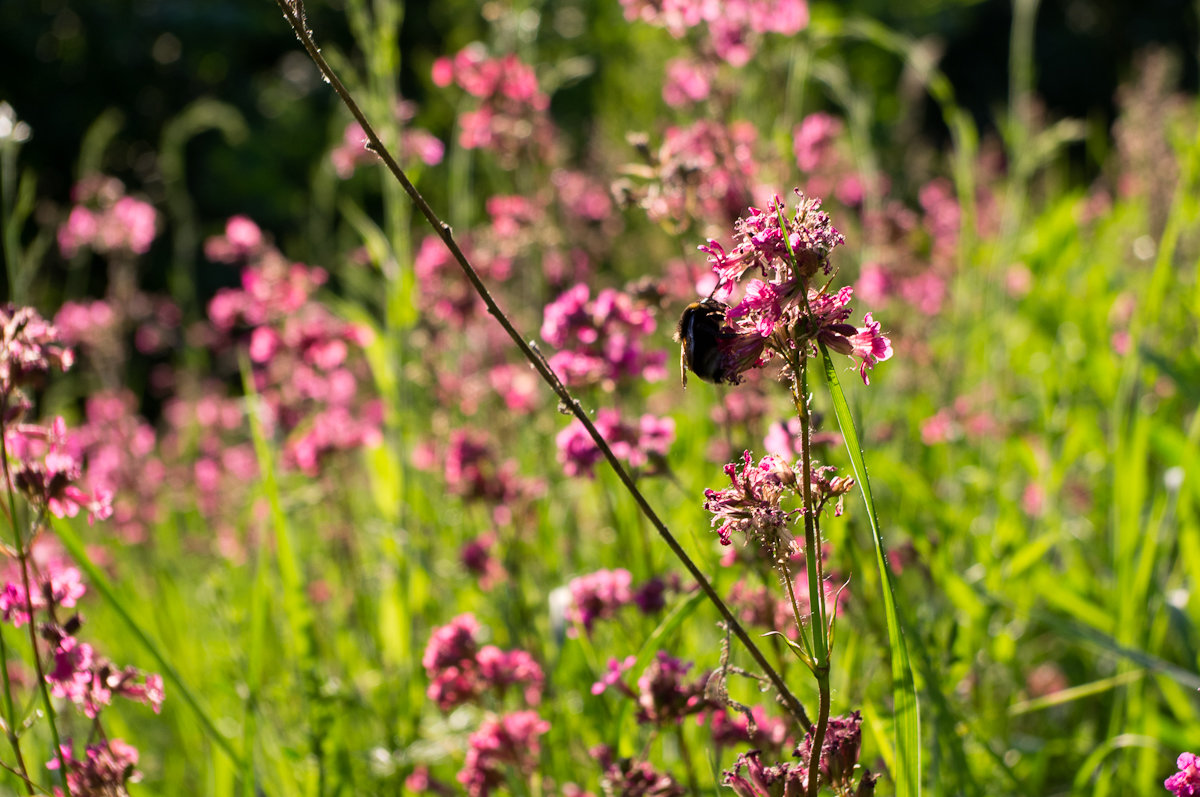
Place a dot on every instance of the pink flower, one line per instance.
(664, 697)
(503, 745)
(686, 82)
(751, 505)
(48, 471)
(133, 226)
(107, 221)
(1185, 782)
(579, 454)
(613, 674)
(79, 231)
(603, 340)
(871, 346)
(104, 770)
(32, 348)
(598, 596)
(813, 140)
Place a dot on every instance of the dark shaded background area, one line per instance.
(64, 62)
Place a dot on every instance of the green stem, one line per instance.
(291, 13)
(9, 711)
(23, 558)
(812, 558)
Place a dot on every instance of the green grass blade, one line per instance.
(99, 582)
(906, 710)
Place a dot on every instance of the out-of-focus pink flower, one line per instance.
(460, 671)
(603, 341)
(105, 768)
(32, 348)
(687, 82)
(107, 221)
(664, 696)
(812, 140)
(579, 454)
(502, 746)
(511, 117)
(48, 470)
(596, 596)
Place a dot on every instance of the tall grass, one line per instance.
(1030, 526)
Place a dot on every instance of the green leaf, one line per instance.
(906, 710)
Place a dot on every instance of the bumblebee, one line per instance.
(698, 335)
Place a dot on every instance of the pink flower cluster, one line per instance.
(446, 294)
(415, 145)
(838, 765)
(107, 221)
(243, 240)
(210, 457)
(105, 769)
(461, 672)
(304, 361)
(501, 745)
(90, 681)
(473, 470)
(1185, 782)
(56, 582)
(600, 595)
(48, 470)
(751, 505)
(632, 777)
(33, 348)
(601, 341)
(635, 444)
(77, 672)
(701, 173)
(511, 118)
(121, 450)
(731, 26)
(822, 154)
(780, 311)
(664, 695)
(917, 275)
(687, 82)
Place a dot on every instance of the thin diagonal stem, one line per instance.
(293, 12)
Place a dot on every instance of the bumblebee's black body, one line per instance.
(698, 333)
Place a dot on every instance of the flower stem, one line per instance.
(812, 558)
(22, 556)
(292, 11)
